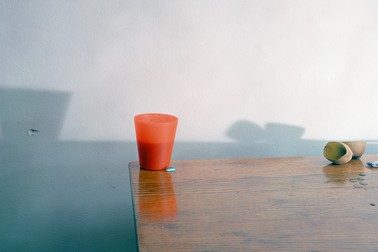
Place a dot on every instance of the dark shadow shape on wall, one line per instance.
(22, 110)
(251, 141)
(40, 109)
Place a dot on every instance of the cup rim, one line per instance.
(168, 118)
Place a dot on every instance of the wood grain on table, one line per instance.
(257, 204)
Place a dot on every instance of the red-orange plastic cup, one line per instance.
(155, 135)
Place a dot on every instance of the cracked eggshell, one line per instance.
(337, 152)
(357, 147)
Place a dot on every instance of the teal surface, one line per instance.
(65, 208)
(59, 195)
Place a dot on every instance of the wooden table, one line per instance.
(267, 204)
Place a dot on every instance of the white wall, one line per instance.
(227, 69)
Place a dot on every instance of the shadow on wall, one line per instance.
(251, 140)
(70, 195)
